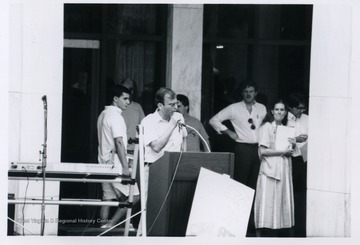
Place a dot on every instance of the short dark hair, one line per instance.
(247, 84)
(160, 95)
(295, 99)
(184, 100)
(129, 83)
(117, 90)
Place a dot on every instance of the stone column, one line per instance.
(184, 53)
(329, 179)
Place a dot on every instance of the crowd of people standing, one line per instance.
(278, 176)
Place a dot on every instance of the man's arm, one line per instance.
(264, 151)
(158, 144)
(216, 122)
(230, 133)
(120, 151)
(301, 138)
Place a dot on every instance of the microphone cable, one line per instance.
(202, 138)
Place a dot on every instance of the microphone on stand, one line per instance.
(44, 101)
(180, 124)
(44, 152)
(43, 165)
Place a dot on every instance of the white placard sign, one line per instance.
(283, 134)
(221, 206)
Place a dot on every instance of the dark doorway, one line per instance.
(268, 44)
(80, 110)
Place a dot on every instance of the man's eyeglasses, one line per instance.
(252, 126)
(300, 108)
(173, 104)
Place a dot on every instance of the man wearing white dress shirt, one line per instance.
(246, 117)
(162, 129)
(299, 120)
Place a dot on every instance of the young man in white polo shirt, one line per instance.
(112, 150)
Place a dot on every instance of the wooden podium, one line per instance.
(173, 218)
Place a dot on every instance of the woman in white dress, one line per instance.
(274, 201)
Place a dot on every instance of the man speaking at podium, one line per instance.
(163, 130)
(112, 150)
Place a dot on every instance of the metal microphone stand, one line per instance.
(43, 166)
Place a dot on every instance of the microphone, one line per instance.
(180, 124)
(44, 101)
